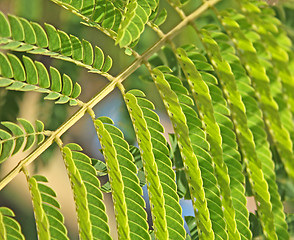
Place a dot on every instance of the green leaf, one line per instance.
(244, 135)
(6, 145)
(87, 52)
(30, 131)
(87, 7)
(124, 183)
(67, 85)
(31, 71)
(66, 47)
(109, 17)
(80, 193)
(268, 105)
(9, 227)
(189, 158)
(62, 100)
(6, 69)
(100, 167)
(40, 130)
(53, 38)
(56, 80)
(17, 30)
(30, 36)
(76, 91)
(61, 46)
(41, 36)
(191, 222)
(77, 50)
(17, 67)
(45, 213)
(4, 82)
(43, 75)
(257, 127)
(26, 79)
(18, 133)
(99, 58)
(107, 64)
(11, 144)
(4, 26)
(161, 17)
(151, 143)
(90, 209)
(205, 107)
(133, 21)
(76, 4)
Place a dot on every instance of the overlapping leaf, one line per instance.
(125, 186)
(201, 149)
(18, 34)
(92, 218)
(107, 15)
(213, 136)
(205, 133)
(11, 142)
(231, 155)
(9, 227)
(196, 159)
(266, 26)
(134, 19)
(157, 166)
(33, 76)
(257, 127)
(261, 85)
(123, 21)
(244, 135)
(102, 14)
(49, 220)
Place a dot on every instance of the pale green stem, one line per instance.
(109, 88)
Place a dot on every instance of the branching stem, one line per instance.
(104, 92)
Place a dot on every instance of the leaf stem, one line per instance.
(104, 92)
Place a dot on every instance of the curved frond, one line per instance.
(18, 34)
(261, 85)
(205, 107)
(49, 220)
(92, 218)
(125, 186)
(262, 18)
(201, 148)
(104, 15)
(157, 166)
(266, 27)
(230, 103)
(257, 127)
(231, 154)
(196, 159)
(244, 135)
(123, 22)
(33, 76)
(9, 227)
(13, 140)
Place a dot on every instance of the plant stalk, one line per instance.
(103, 93)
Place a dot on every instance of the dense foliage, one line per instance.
(228, 92)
